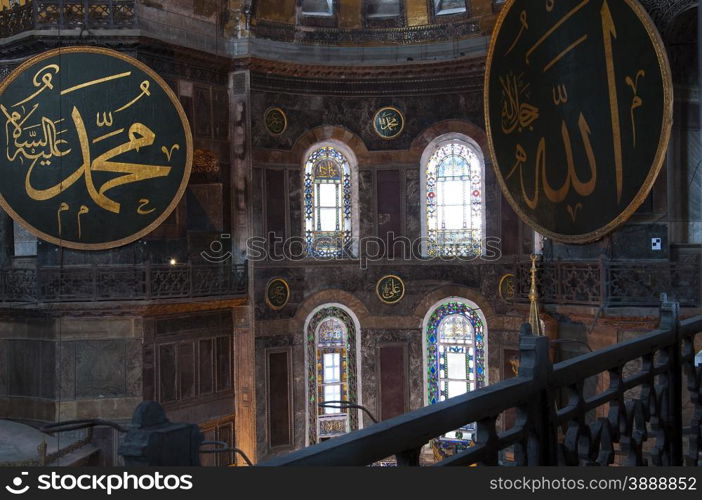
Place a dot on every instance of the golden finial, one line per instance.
(534, 320)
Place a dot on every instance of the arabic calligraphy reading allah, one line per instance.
(35, 140)
(519, 114)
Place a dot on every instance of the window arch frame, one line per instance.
(351, 247)
(433, 147)
(353, 365)
(480, 357)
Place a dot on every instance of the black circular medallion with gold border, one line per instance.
(277, 293)
(275, 120)
(578, 108)
(388, 122)
(390, 289)
(96, 148)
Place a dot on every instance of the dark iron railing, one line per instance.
(111, 283)
(68, 14)
(641, 394)
(613, 283)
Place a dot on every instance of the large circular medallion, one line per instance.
(578, 103)
(96, 149)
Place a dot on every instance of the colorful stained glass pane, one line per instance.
(455, 361)
(327, 199)
(331, 351)
(454, 204)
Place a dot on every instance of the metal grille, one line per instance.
(107, 283)
(68, 14)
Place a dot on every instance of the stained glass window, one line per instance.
(317, 7)
(331, 373)
(383, 8)
(455, 357)
(327, 203)
(444, 7)
(454, 203)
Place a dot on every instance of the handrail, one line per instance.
(411, 430)
(546, 431)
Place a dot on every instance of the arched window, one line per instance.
(382, 8)
(331, 361)
(455, 341)
(328, 206)
(445, 7)
(453, 198)
(318, 7)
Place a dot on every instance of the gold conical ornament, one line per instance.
(534, 320)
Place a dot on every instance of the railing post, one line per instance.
(535, 364)
(147, 277)
(603, 282)
(408, 458)
(670, 312)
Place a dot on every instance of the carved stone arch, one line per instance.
(430, 299)
(323, 297)
(327, 133)
(464, 127)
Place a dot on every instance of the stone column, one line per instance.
(244, 345)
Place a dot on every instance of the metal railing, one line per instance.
(613, 283)
(641, 391)
(113, 283)
(68, 14)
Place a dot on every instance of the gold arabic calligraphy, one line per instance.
(517, 115)
(34, 140)
(389, 122)
(391, 290)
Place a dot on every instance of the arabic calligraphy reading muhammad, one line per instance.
(578, 108)
(390, 289)
(388, 122)
(96, 150)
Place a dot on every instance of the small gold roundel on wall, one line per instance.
(388, 122)
(507, 288)
(390, 289)
(277, 293)
(275, 120)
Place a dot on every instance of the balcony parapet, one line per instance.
(613, 283)
(68, 14)
(121, 283)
